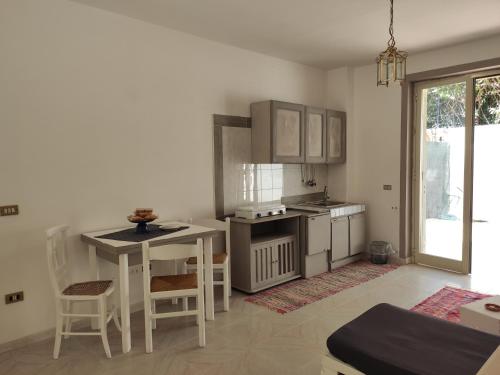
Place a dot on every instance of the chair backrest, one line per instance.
(57, 257)
(220, 225)
(228, 236)
(171, 252)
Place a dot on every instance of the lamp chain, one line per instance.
(392, 41)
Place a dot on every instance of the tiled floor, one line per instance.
(247, 340)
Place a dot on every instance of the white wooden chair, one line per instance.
(67, 294)
(221, 262)
(172, 286)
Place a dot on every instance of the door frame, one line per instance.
(482, 67)
(417, 232)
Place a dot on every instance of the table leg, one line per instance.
(94, 275)
(209, 278)
(125, 303)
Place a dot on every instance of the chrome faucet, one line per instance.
(325, 194)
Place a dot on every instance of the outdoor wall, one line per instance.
(374, 130)
(101, 113)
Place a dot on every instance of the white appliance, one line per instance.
(260, 210)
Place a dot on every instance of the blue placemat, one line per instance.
(130, 235)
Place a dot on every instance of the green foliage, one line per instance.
(446, 104)
(487, 101)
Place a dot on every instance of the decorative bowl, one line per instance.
(142, 217)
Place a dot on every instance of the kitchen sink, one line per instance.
(327, 203)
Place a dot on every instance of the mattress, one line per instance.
(388, 340)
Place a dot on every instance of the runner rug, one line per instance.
(295, 294)
(445, 304)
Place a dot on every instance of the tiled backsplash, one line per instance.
(246, 183)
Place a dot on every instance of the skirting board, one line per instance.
(401, 261)
(49, 333)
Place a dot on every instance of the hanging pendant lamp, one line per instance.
(391, 64)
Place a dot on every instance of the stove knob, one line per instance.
(271, 213)
(281, 212)
(259, 215)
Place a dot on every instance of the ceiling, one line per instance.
(320, 33)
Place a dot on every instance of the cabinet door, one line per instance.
(288, 132)
(315, 135)
(357, 234)
(262, 265)
(286, 255)
(336, 137)
(318, 234)
(340, 238)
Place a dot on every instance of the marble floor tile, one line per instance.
(248, 340)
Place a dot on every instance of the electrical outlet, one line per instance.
(387, 187)
(13, 209)
(14, 297)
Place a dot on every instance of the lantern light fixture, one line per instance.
(391, 64)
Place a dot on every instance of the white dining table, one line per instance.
(119, 252)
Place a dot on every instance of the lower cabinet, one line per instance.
(340, 238)
(273, 261)
(315, 243)
(264, 252)
(357, 234)
(348, 236)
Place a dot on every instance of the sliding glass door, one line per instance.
(442, 200)
(455, 181)
(486, 180)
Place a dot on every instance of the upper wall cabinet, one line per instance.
(315, 135)
(277, 132)
(292, 133)
(335, 137)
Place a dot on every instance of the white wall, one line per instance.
(339, 96)
(102, 113)
(374, 122)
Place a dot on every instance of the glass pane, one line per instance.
(486, 202)
(443, 116)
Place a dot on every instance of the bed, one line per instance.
(388, 340)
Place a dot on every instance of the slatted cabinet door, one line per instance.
(286, 257)
(262, 264)
(273, 261)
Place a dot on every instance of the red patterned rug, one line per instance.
(445, 304)
(295, 294)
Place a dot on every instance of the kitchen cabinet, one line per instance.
(315, 242)
(277, 132)
(348, 236)
(317, 234)
(293, 133)
(357, 234)
(335, 137)
(340, 238)
(315, 135)
(264, 252)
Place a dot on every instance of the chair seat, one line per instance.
(88, 288)
(173, 282)
(216, 259)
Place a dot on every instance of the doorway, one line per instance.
(457, 138)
